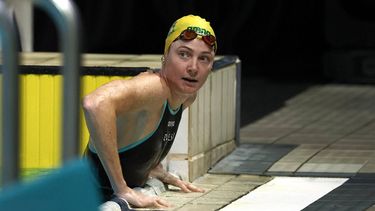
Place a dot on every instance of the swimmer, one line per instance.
(133, 123)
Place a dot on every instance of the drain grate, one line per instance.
(251, 159)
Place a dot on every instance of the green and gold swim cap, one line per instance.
(196, 23)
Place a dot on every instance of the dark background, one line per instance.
(284, 46)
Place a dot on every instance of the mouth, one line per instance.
(190, 80)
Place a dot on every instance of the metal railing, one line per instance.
(65, 16)
(10, 143)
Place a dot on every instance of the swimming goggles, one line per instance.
(189, 34)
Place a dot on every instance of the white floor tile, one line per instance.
(286, 193)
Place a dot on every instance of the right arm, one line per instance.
(101, 109)
(100, 118)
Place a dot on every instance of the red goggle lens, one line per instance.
(189, 34)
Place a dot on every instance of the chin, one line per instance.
(189, 90)
(186, 89)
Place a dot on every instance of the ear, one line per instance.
(162, 61)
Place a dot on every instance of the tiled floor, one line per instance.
(333, 126)
(332, 129)
(221, 190)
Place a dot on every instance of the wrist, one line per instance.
(169, 178)
(121, 188)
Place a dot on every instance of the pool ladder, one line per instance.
(65, 17)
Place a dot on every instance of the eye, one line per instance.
(205, 58)
(184, 54)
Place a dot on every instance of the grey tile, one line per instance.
(194, 207)
(368, 168)
(345, 153)
(209, 201)
(330, 168)
(353, 146)
(284, 167)
(225, 194)
(213, 179)
(249, 179)
(307, 138)
(245, 188)
(338, 160)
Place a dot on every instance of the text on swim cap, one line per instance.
(198, 30)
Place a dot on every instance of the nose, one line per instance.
(193, 67)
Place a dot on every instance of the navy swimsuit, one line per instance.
(139, 158)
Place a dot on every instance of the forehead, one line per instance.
(196, 45)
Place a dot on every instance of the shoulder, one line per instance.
(149, 84)
(144, 91)
(143, 84)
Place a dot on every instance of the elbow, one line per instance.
(91, 103)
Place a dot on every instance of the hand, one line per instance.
(186, 187)
(138, 199)
(168, 178)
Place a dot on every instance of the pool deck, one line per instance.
(332, 127)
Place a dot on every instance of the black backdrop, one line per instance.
(271, 37)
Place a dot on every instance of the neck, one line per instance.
(175, 98)
(175, 101)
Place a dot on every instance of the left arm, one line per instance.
(160, 173)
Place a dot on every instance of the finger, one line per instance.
(163, 202)
(194, 188)
(185, 188)
(158, 203)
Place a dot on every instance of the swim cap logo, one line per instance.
(172, 29)
(198, 30)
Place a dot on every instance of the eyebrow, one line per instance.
(190, 49)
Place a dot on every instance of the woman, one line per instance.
(132, 123)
